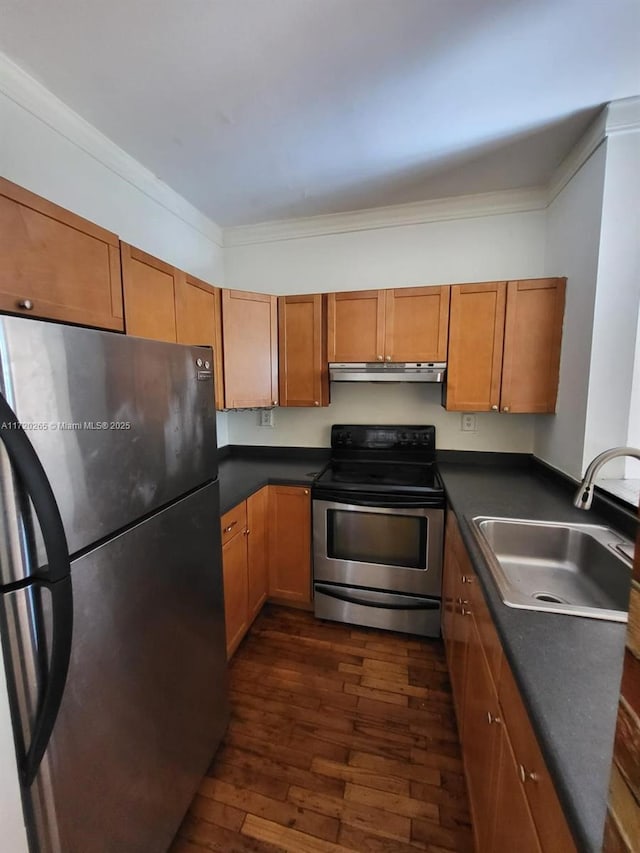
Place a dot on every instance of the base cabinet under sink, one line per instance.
(512, 798)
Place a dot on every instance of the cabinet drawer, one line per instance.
(234, 522)
(541, 796)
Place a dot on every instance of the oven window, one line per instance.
(374, 537)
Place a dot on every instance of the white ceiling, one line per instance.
(269, 109)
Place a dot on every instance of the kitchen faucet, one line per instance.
(584, 495)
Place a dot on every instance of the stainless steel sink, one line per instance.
(577, 569)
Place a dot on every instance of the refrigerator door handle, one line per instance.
(33, 477)
(56, 678)
(56, 579)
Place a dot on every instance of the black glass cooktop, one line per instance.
(381, 476)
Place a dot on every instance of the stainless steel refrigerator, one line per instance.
(111, 601)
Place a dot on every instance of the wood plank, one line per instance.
(306, 820)
(399, 769)
(287, 838)
(357, 775)
(281, 770)
(390, 802)
(201, 835)
(356, 814)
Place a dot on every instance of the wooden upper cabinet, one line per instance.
(290, 543)
(476, 334)
(250, 343)
(356, 326)
(150, 291)
(302, 363)
(504, 346)
(416, 324)
(199, 322)
(532, 338)
(55, 264)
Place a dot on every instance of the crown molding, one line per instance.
(32, 96)
(593, 137)
(616, 117)
(623, 115)
(415, 213)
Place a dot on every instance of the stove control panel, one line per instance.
(383, 438)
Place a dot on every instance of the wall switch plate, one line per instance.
(265, 418)
(468, 422)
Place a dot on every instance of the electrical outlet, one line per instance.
(468, 423)
(265, 418)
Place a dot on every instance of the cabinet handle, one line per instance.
(247, 532)
(494, 408)
(491, 719)
(230, 527)
(465, 612)
(274, 402)
(527, 775)
(505, 408)
(387, 358)
(306, 491)
(316, 402)
(466, 579)
(380, 358)
(26, 304)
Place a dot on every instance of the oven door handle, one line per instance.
(350, 599)
(382, 503)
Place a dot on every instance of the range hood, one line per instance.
(388, 371)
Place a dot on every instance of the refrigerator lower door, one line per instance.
(145, 704)
(121, 425)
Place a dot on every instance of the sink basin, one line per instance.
(577, 569)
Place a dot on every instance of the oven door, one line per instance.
(379, 543)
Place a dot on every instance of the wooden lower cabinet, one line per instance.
(290, 544)
(513, 827)
(481, 718)
(266, 553)
(513, 801)
(257, 551)
(235, 579)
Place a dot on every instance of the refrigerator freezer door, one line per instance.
(122, 425)
(146, 703)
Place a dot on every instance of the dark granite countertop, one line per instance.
(244, 471)
(568, 668)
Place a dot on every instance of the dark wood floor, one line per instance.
(341, 739)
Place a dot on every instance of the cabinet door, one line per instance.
(514, 828)
(356, 326)
(257, 551)
(55, 264)
(476, 333)
(150, 288)
(480, 731)
(250, 340)
(235, 580)
(302, 364)
(199, 323)
(539, 789)
(290, 543)
(532, 338)
(416, 324)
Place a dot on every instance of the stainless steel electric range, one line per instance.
(378, 518)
